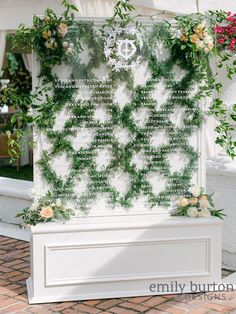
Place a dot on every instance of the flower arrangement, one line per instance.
(54, 34)
(50, 38)
(44, 210)
(195, 203)
(56, 37)
(197, 37)
(226, 33)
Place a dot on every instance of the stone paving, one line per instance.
(14, 270)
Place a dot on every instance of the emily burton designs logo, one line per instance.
(176, 287)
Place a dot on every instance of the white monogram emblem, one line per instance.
(121, 46)
(126, 48)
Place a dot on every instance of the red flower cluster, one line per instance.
(226, 35)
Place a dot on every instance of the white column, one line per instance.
(2, 48)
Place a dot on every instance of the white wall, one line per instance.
(226, 5)
(14, 12)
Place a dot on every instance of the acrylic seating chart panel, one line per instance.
(124, 132)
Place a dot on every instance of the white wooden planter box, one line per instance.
(112, 252)
(122, 256)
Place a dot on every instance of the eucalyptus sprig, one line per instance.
(122, 10)
(70, 9)
(224, 115)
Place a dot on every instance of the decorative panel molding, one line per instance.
(147, 259)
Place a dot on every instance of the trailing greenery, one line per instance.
(16, 96)
(218, 109)
(48, 38)
(46, 209)
(122, 11)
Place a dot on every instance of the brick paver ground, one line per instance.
(14, 269)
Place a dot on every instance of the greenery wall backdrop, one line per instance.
(191, 49)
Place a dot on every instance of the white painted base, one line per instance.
(126, 256)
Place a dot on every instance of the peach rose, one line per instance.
(199, 34)
(62, 29)
(194, 38)
(183, 38)
(203, 202)
(193, 201)
(182, 202)
(203, 197)
(46, 212)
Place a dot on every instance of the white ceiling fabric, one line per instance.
(105, 7)
(14, 12)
